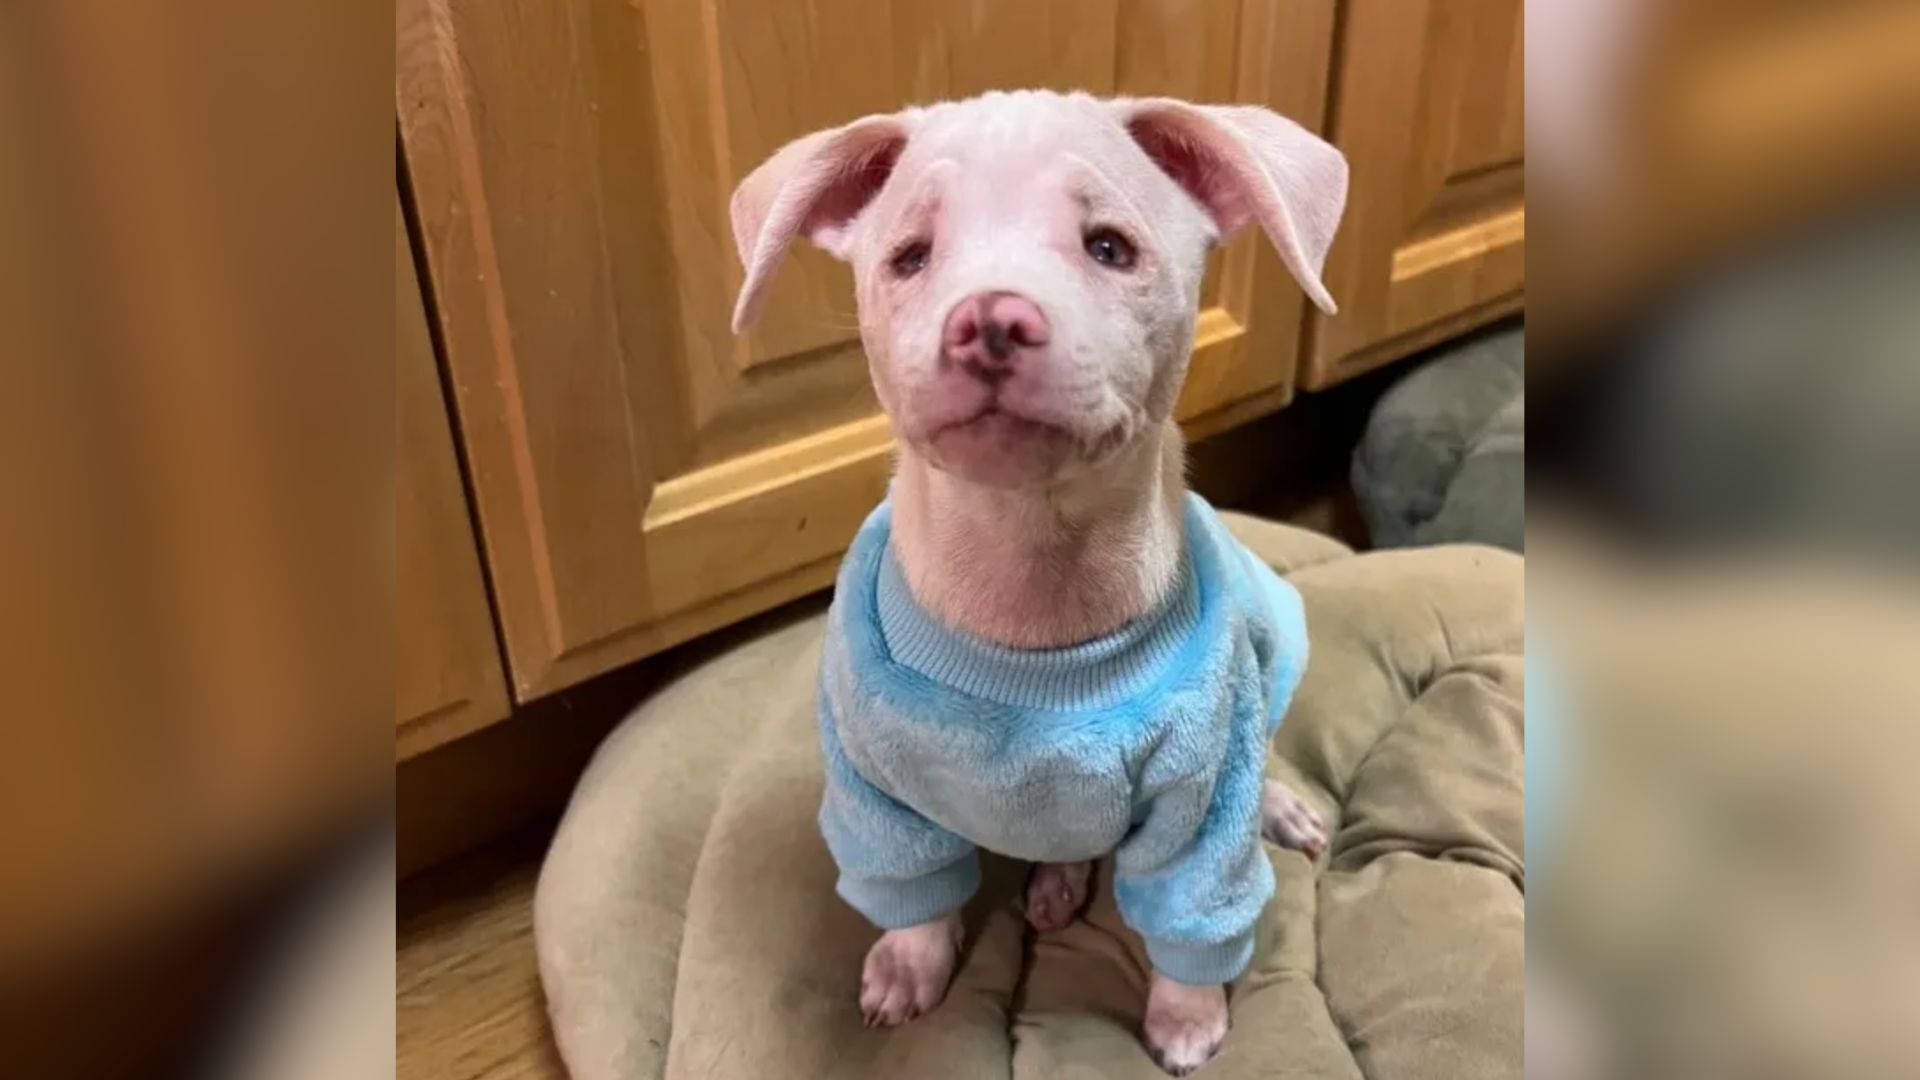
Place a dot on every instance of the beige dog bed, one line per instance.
(687, 924)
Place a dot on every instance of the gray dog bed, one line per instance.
(1444, 455)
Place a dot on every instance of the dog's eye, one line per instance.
(1109, 248)
(910, 259)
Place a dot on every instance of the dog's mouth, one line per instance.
(992, 423)
(996, 416)
(996, 446)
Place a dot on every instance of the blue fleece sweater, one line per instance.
(1149, 743)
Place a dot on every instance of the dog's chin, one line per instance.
(999, 449)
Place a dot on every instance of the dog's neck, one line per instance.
(1045, 567)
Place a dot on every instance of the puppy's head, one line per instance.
(1028, 265)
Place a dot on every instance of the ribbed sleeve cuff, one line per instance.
(1202, 965)
(894, 904)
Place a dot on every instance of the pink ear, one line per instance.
(817, 185)
(1245, 163)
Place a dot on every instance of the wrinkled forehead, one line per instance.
(1013, 155)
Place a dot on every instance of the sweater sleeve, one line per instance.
(1192, 877)
(1277, 625)
(896, 867)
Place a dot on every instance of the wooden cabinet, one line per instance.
(641, 475)
(1427, 106)
(447, 678)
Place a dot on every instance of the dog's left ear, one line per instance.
(1244, 163)
(816, 185)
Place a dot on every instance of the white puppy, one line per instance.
(1028, 268)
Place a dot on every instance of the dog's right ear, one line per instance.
(816, 185)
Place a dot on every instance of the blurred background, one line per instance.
(196, 447)
(1722, 538)
(234, 531)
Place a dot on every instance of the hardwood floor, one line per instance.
(467, 988)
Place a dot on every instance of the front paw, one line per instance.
(907, 971)
(1287, 820)
(1055, 894)
(1185, 1024)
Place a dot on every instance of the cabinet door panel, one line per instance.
(1428, 109)
(447, 678)
(641, 474)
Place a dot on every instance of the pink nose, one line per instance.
(989, 334)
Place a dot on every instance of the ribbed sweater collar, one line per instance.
(1098, 674)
